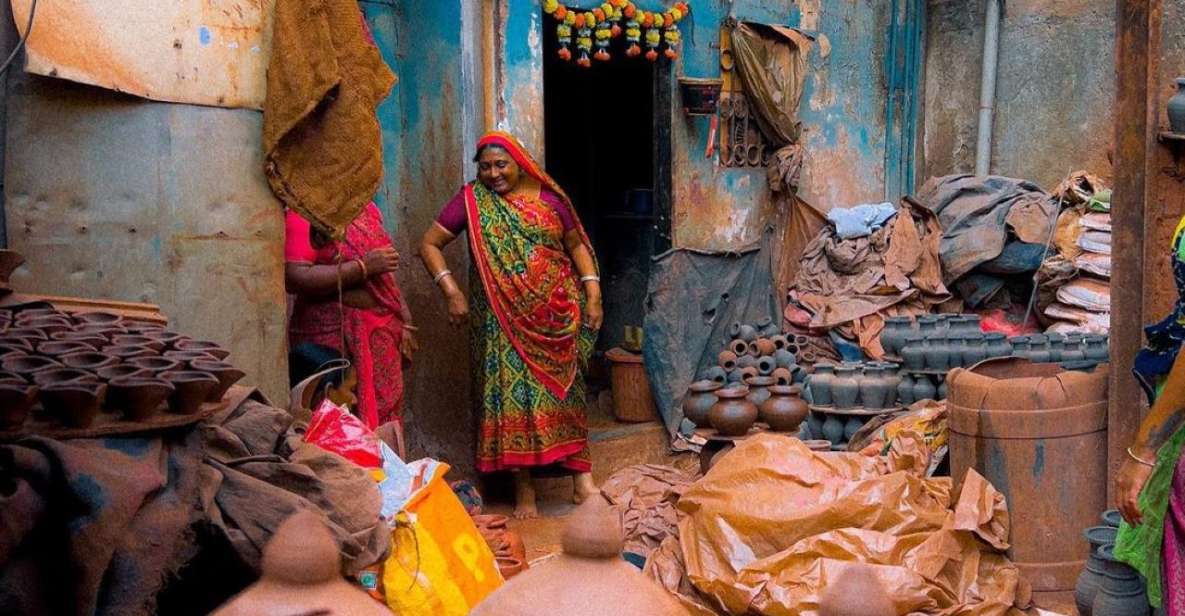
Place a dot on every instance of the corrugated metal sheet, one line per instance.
(205, 52)
(114, 197)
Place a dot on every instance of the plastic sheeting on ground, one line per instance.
(645, 495)
(773, 523)
(692, 299)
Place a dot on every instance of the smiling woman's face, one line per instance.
(497, 170)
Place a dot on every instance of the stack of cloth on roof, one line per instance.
(1075, 279)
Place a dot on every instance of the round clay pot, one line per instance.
(138, 398)
(738, 347)
(814, 424)
(60, 348)
(749, 372)
(1039, 349)
(748, 333)
(228, 375)
(735, 376)
(923, 389)
(142, 341)
(74, 403)
(1096, 348)
(997, 345)
(192, 387)
(1057, 344)
(699, 401)
(727, 360)
(714, 373)
(747, 361)
(780, 342)
(893, 336)
(784, 410)
(927, 325)
(913, 352)
(832, 429)
(510, 567)
(752, 350)
(765, 346)
(956, 345)
(1091, 578)
(734, 330)
(874, 391)
(1073, 352)
(766, 327)
(1020, 346)
(759, 388)
(1121, 591)
(766, 365)
(851, 427)
(845, 389)
(122, 371)
(89, 360)
(784, 359)
(127, 351)
(28, 365)
(783, 376)
(1112, 518)
(1176, 108)
(98, 318)
(975, 349)
(820, 383)
(971, 324)
(16, 400)
(733, 414)
(937, 353)
(905, 390)
(58, 376)
(155, 365)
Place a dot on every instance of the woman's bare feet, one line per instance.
(524, 496)
(583, 487)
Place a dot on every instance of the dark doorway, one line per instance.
(610, 150)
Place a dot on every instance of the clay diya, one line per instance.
(57, 376)
(74, 403)
(49, 325)
(61, 348)
(165, 337)
(138, 398)
(509, 566)
(106, 331)
(188, 357)
(16, 400)
(226, 374)
(37, 313)
(7, 351)
(89, 360)
(28, 365)
(128, 351)
(191, 389)
(156, 365)
(12, 344)
(204, 346)
(98, 318)
(28, 333)
(134, 340)
(143, 328)
(122, 371)
(94, 341)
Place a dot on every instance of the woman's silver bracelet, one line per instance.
(440, 276)
(590, 278)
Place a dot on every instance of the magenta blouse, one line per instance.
(454, 219)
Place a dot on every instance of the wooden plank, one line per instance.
(1134, 42)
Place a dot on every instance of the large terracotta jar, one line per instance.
(785, 409)
(701, 397)
(733, 414)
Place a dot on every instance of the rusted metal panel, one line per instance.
(204, 52)
(1135, 48)
(110, 196)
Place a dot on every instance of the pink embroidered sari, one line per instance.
(371, 336)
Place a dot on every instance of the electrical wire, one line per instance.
(21, 43)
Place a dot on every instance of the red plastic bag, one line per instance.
(334, 429)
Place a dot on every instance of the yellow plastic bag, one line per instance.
(439, 563)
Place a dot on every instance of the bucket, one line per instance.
(632, 400)
(1038, 433)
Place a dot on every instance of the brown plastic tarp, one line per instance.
(321, 138)
(855, 282)
(645, 495)
(773, 523)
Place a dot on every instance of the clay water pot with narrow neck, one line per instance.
(1087, 586)
(913, 352)
(845, 389)
(701, 397)
(820, 383)
(733, 414)
(1176, 108)
(759, 388)
(874, 390)
(893, 336)
(588, 577)
(784, 410)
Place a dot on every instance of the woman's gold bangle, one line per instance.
(362, 264)
(1139, 459)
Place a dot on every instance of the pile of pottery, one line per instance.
(65, 370)
(755, 350)
(1060, 348)
(1108, 587)
(845, 396)
(509, 552)
(735, 409)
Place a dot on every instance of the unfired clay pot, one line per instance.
(138, 398)
(845, 389)
(765, 346)
(302, 575)
(759, 388)
(75, 403)
(727, 360)
(820, 383)
(700, 399)
(733, 414)
(589, 577)
(785, 410)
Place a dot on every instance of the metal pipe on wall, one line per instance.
(987, 88)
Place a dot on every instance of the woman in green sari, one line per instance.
(536, 308)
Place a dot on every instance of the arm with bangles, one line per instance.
(1164, 419)
(586, 268)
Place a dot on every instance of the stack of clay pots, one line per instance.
(1063, 348)
(59, 369)
(1108, 587)
(735, 409)
(510, 553)
(755, 350)
(846, 395)
(933, 345)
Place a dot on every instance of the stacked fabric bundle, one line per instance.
(1075, 280)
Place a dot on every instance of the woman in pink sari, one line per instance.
(371, 325)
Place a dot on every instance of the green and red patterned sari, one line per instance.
(529, 346)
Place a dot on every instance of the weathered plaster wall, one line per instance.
(842, 112)
(424, 156)
(1055, 90)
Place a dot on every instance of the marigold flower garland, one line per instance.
(603, 23)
